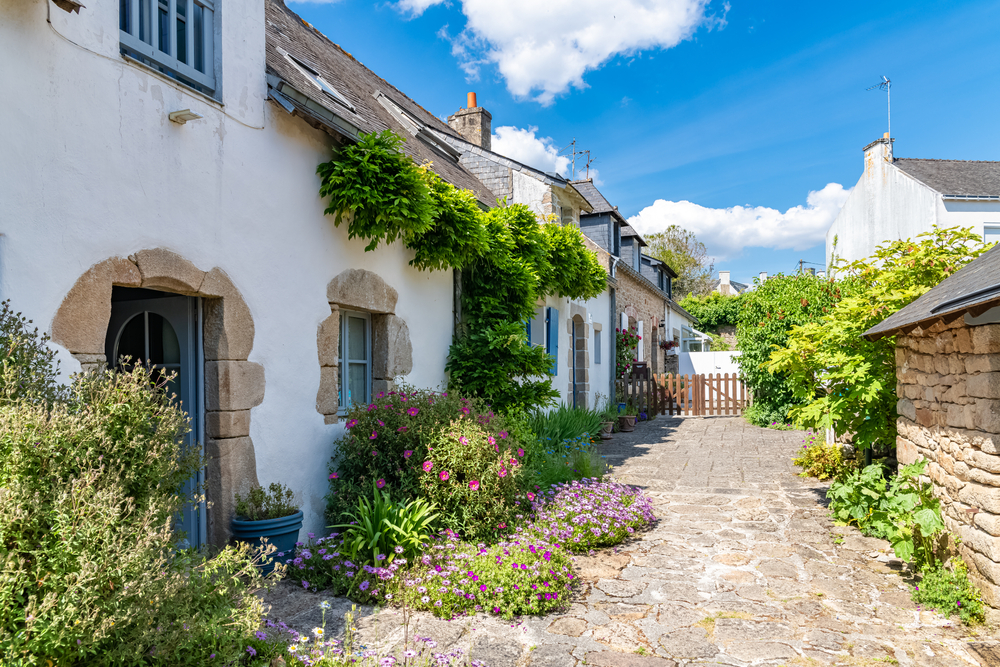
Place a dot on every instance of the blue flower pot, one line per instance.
(283, 533)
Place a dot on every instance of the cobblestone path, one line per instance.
(743, 568)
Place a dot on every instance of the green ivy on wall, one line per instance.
(509, 260)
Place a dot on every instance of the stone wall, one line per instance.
(949, 413)
(641, 301)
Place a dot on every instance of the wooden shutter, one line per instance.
(552, 337)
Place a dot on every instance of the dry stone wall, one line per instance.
(949, 413)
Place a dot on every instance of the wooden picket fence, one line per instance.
(702, 395)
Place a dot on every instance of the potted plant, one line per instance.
(626, 422)
(271, 515)
(608, 414)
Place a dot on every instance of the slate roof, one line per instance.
(598, 202)
(287, 33)
(955, 177)
(974, 289)
(739, 287)
(628, 230)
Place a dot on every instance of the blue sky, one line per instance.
(743, 121)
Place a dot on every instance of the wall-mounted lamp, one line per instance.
(183, 116)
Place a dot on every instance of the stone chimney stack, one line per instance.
(724, 278)
(474, 123)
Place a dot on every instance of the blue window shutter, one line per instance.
(597, 347)
(552, 343)
(527, 329)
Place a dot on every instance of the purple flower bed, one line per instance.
(590, 513)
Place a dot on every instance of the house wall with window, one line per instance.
(101, 188)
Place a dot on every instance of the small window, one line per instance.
(176, 37)
(597, 346)
(319, 81)
(355, 354)
(991, 233)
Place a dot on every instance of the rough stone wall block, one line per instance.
(231, 466)
(326, 397)
(81, 323)
(228, 326)
(358, 288)
(233, 385)
(165, 270)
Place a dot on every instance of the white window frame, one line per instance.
(345, 362)
(991, 227)
(142, 42)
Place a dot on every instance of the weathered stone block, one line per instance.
(981, 542)
(165, 270)
(228, 328)
(983, 385)
(986, 339)
(987, 415)
(906, 451)
(328, 339)
(905, 408)
(229, 424)
(988, 522)
(963, 340)
(392, 352)
(979, 495)
(81, 323)
(982, 363)
(230, 466)
(983, 461)
(924, 417)
(361, 289)
(233, 385)
(326, 397)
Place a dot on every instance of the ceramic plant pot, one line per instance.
(606, 428)
(626, 423)
(282, 533)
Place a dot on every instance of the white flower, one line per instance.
(318, 632)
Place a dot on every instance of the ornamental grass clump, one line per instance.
(590, 513)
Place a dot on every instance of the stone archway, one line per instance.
(233, 385)
(392, 353)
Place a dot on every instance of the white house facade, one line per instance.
(203, 245)
(898, 198)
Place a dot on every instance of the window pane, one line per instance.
(124, 6)
(356, 339)
(143, 21)
(132, 340)
(199, 42)
(991, 234)
(181, 36)
(164, 28)
(357, 383)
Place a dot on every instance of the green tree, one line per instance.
(713, 311)
(766, 315)
(681, 250)
(838, 378)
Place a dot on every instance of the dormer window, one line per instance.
(313, 76)
(175, 37)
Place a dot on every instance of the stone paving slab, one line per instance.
(744, 568)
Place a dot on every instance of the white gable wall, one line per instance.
(92, 168)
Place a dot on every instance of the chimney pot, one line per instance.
(885, 135)
(474, 123)
(472, 101)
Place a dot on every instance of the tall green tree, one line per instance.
(681, 250)
(840, 379)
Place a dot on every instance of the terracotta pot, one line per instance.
(626, 423)
(606, 428)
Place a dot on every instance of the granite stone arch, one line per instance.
(392, 352)
(233, 385)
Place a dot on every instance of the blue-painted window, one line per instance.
(597, 347)
(552, 337)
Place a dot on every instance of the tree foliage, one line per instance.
(766, 315)
(838, 378)
(681, 250)
(713, 310)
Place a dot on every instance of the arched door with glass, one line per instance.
(159, 330)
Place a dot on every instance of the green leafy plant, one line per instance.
(821, 460)
(258, 504)
(714, 311)
(378, 187)
(380, 529)
(766, 315)
(457, 236)
(566, 423)
(950, 592)
(28, 367)
(626, 344)
(904, 511)
(838, 378)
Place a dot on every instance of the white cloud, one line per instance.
(726, 231)
(543, 48)
(538, 152)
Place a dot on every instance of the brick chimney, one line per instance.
(474, 123)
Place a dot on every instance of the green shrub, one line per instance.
(713, 310)
(566, 423)
(28, 368)
(387, 440)
(626, 344)
(904, 511)
(90, 572)
(259, 505)
(766, 315)
(550, 462)
(473, 472)
(950, 592)
(821, 460)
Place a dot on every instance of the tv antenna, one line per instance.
(573, 154)
(885, 85)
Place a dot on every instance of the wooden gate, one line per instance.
(701, 395)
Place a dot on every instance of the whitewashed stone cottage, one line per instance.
(160, 199)
(948, 374)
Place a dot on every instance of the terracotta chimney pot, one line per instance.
(472, 101)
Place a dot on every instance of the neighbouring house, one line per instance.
(161, 200)
(948, 375)
(728, 287)
(898, 198)
(643, 285)
(579, 334)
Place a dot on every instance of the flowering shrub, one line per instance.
(626, 343)
(473, 472)
(386, 442)
(526, 575)
(590, 513)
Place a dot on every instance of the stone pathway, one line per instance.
(743, 568)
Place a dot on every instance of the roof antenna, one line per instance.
(573, 154)
(885, 85)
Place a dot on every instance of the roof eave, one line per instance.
(947, 317)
